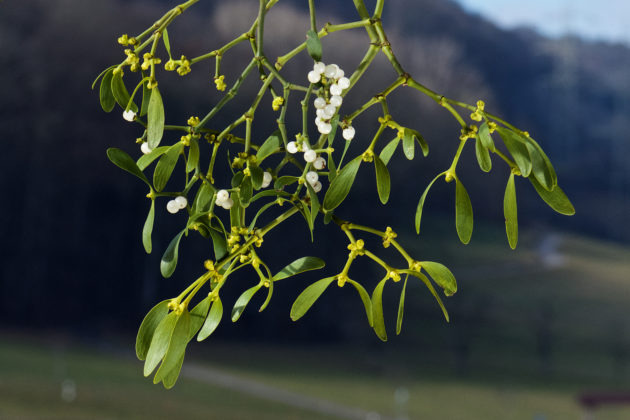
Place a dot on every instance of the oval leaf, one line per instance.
(342, 184)
(243, 300)
(540, 169)
(108, 102)
(313, 45)
(463, 213)
(193, 156)
(176, 346)
(365, 298)
(377, 310)
(510, 212)
(483, 156)
(257, 176)
(422, 142)
(441, 275)
(198, 316)
(299, 266)
(486, 138)
(126, 163)
(270, 146)
(121, 95)
(171, 377)
(159, 342)
(145, 160)
(518, 149)
(401, 307)
(556, 198)
(148, 229)
(155, 120)
(212, 321)
(165, 166)
(409, 145)
(169, 259)
(421, 202)
(388, 151)
(307, 298)
(148, 326)
(383, 182)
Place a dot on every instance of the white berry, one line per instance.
(129, 115)
(331, 70)
(317, 187)
(292, 147)
(335, 89)
(144, 148)
(319, 67)
(312, 177)
(336, 100)
(324, 128)
(344, 83)
(181, 201)
(227, 204)
(319, 102)
(319, 163)
(310, 156)
(172, 207)
(340, 73)
(348, 133)
(222, 195)
(314, 77)
(329, 111)
(267, 178)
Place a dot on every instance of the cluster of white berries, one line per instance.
(326, 109)
(176, 204)
(224, 200)
(313, 179)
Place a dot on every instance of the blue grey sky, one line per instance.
(591, 19)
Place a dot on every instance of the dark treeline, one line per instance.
(71, 221)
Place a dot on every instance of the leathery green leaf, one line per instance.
(176, 346)
(170, 378)
(268, 298)
(283, 181)
(340, 187)
(313, 45)
(556, 198)
(247, 190)
(409, 145)
(314, 202)
(155, 120)
(510, 212)
(212, 321)
(441, 275)
(257, 176)
(307, 298)
(483, 156)
(121, 95)
(167, 42)
(270, 146)
(551, 172)
(203, 199)
(219, 244)
(383, 182)
(159, 342)
(377, 310)
(193, 156)
(517, 148)
(486, 138)
(198, 316)
(540, 169)
(101, 74)
(421, 141)
(148, 326)
(463, 213)
(429, 286)
(299, 266)
(169, 259)
(365, 298)
(145, 160)
(421, 202)
(148, 229)
(401, 306)
(243, 300)
(126, 163)
(334, 123)
(146, 96)
(235, 210)
(388, 151)
(106, 97)
(165, 166)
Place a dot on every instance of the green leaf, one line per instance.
(167, 42)
(126, 163)
(146, 96)
(421, 141)
(518, 149)
(299, 266)
(334, 123)
(377, 310)
(247, 190)
(159, 342)
(429, 286)
(401, 307)
(257, 175)
(148, 228)
(408, 144)
(169, 259)
(463, 213)
(219, 245)
(121, 95)
(283, 181)
(388, 151)
(203, 199)
(193, 156)
(306, 213)
(332, 168)
(260, 211)
(268, 298)
(383, 183)
(483, 156)
(269, 147)
(101, 74)
(165, 166)
(421, 202)
(540, 169)
(237, 179)
(340, 187)
(243, 300)
(145, 160)
(441, 275)
(171, 377)
(155, 119)
(307, 298)
(106, 97)
(198, 316)
(556, 198)
(550, 170)
(212, 321)
(486, 138)
(314, 203)
(148, 327)
(235, 210)
(510, 212)
(176, 346)
(365, 298)
(313, 45)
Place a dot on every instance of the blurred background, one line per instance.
(532, 330)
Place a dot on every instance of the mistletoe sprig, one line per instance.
(285, 173)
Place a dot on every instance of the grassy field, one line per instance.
(578, 301)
